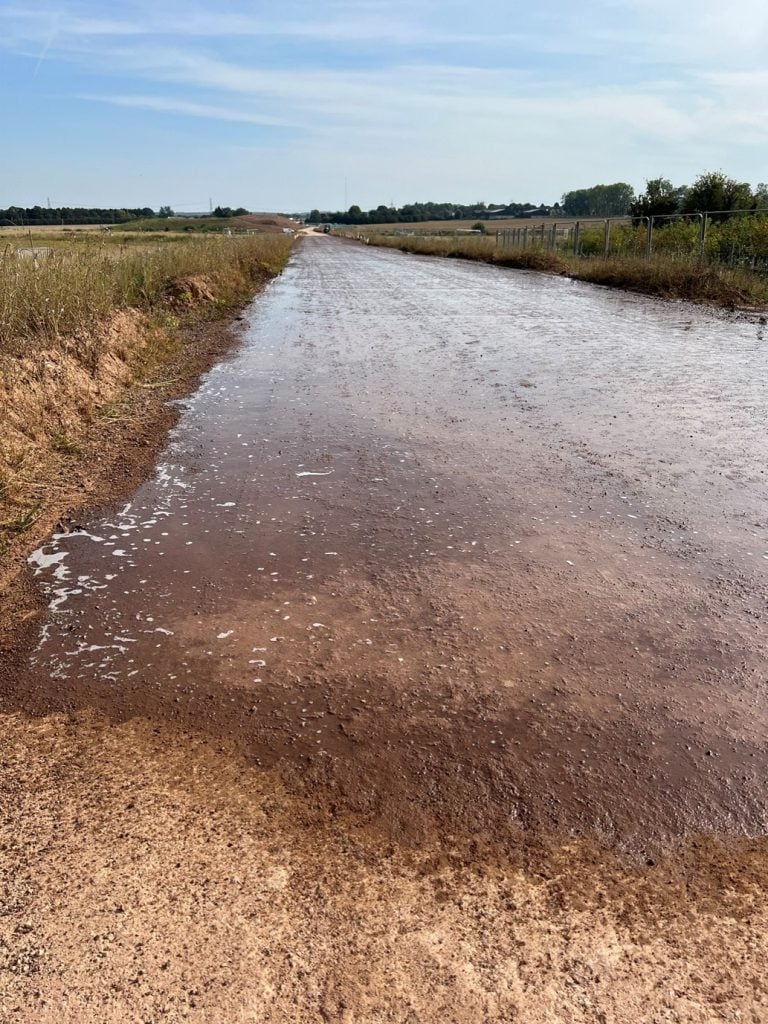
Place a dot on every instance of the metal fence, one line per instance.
(736, 238)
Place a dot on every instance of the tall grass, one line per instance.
(62, 292)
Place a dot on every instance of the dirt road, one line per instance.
(448, 594)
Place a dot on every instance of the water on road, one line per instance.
(450, 545)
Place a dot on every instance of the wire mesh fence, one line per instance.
(734, 238)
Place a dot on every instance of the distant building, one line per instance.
(539, 211)
(492, 213)
(511, 212)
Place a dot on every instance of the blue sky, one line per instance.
(288, 105)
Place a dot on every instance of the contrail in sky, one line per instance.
(46, 48)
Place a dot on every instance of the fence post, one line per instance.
(607, 239)
(576, 237)
(702, 234)
(649, 239)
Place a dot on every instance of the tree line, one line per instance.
(412, 213)
(32, 216)
(713, 191)
(20, 216)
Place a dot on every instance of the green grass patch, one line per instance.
(65, 445)
(21, 522)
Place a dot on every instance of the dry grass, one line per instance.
(63, 292)
(663, 275)
(676, 279)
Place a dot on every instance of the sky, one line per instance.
(297, 104)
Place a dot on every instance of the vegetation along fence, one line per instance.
(736, 238)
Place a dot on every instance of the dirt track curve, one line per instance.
(450, 583)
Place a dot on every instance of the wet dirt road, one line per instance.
(450, 547)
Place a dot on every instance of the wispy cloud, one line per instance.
(171, 105)
(351, 27)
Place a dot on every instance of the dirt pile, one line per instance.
(191, 291)
(265, 222)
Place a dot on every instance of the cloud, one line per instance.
(171, 105)
(190, 23)
(419, 98)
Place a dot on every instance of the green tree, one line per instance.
(165, 211)
(715, 191)
(382, 215)
(599, 201)
(660, 198)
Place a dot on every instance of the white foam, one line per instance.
(43, 561)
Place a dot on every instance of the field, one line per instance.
(432, 227)
(41, 229)
(260, 222)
